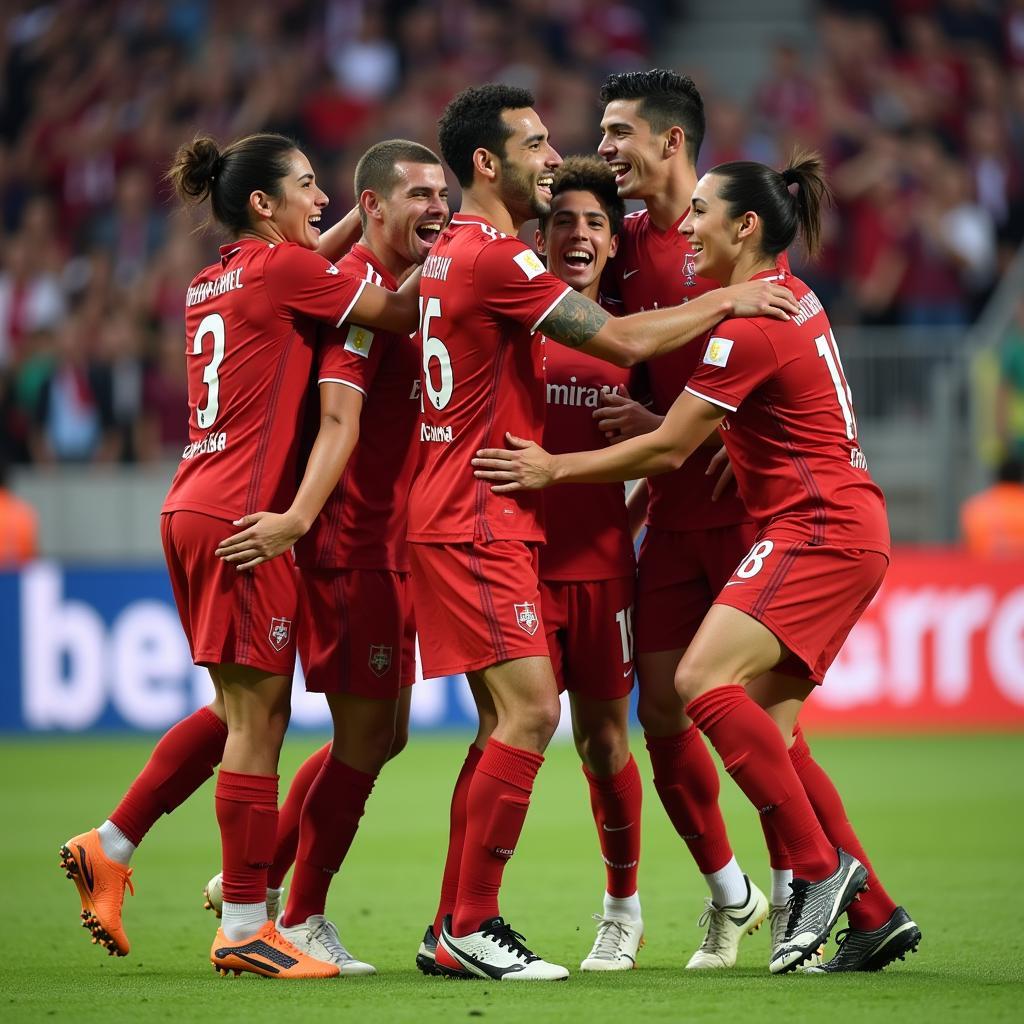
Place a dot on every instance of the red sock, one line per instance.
(616, 803)
(456, 837)
(778, 856)
(686, 779)
(875, 906)
(288, 820)
(754, 754)
(247, 815)
(330, 817)
(496, 806)
(182, 760)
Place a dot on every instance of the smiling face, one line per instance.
(528, 166)
(578, 240)
(412, 216)
(633, 149)
(717, 239)
(294, 216)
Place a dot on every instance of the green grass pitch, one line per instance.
(942, 817)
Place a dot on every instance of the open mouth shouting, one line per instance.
(314, 222)
(428, 231)
(578, 259)
(544, 183)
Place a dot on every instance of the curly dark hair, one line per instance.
(589, 174)
(472, 120)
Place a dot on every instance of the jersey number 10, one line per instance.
(829, 351)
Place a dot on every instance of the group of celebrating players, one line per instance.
(445, 403)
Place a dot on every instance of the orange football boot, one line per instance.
(101, 883)
(268, 954)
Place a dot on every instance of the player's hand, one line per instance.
(524, 466)
(619, 417)
(721, 465)
(762, 298)
(264, 536)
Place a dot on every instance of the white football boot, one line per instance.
(494, 952)
(616, 945)
(726, 926)
(319, 938)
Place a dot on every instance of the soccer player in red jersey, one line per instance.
(587, 565)
(484, 296)
(653, 126)
(821, 552)
(251, 326)
(357, 634)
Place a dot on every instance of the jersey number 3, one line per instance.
(434, 350)
(211, 327)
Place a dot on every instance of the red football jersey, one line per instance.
(587, 525)
(251, 324)
(791, 432)
(482, 296)
(654, 269)
(363, 522)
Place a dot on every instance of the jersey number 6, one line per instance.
(434, 348)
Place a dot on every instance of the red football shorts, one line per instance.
(679, 575)
(809, 596)
(356, 634)
(229, 617)
(476, 605)
(590, 635)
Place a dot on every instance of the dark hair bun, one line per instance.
(195, 166)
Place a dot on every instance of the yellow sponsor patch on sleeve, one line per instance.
(359, 340)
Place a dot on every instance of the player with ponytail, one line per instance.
(778, 394)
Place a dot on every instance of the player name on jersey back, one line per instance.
(251, 324)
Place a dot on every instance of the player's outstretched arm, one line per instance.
(627, 340)
(265, 535)
(398, 312)
(336, 241)
(525, 466)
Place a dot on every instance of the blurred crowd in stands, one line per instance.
(918, 107)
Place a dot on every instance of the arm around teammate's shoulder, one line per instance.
(628, 340)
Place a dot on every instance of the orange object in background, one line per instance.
(992, 522)
(19, 530)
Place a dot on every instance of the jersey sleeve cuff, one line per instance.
(709, 398)
(338, 380)
(544, 315)
(355, 298)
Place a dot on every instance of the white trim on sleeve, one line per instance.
(544, 315)
(708, 398)
(338, 380)
(355, 299)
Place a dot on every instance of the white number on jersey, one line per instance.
(829, 351)
(625, 620)
(212, 325)
(434, 348)
(754, 562)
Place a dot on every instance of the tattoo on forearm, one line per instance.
(574, 321)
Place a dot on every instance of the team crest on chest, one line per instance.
(380, 659)
(690, 270)
(526, 617)
(280, 633)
